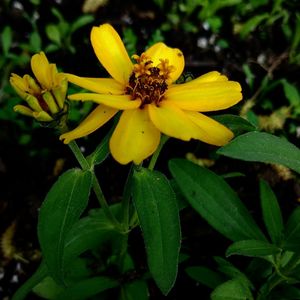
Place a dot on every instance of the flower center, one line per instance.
(148, 82)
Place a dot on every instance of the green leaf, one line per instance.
(101, 152)
(291, 93)
(135, 290)
(62, 207)
(227, 268)
(263, 147)
(232, 290)
(259, 269)
(57, 14)
(236, 124)
(159, 3)
(78, 269)
(214, 22)
(157, 210)
(64, 30)
(205, 276)
(217, 5)
(35, 2)
(254, 248)
(271, 213)
(35, 42)
(35, 279)
(251, 24)
(214, 200)
(295, 38)
(6, 39)
(53, 34)
(292, 231)
(181, 201)
(47, 288)
(89, 233)
(249, 75)
(81, 21)
(51, 48)
(88, 288)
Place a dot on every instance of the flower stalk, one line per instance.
(96, 186)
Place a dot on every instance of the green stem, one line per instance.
(96, 186)
(79, 156)
(154, 157)
(123, 251)
(103, 203)
(278, 277)
(126, 200)
(126, 212)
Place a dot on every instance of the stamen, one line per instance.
(165, 68)
(143, 65)
(148, 82)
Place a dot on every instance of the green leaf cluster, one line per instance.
(275, 257)
(60, 33)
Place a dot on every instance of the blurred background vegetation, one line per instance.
(255, 42)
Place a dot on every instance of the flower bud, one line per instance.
(60, 92)
(45, 94)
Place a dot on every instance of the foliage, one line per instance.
(88, 252)
(15, 50)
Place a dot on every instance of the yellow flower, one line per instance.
(45, 95)
(150, 100)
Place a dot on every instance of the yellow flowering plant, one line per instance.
(151, 101)
(45, 94)
(148, 106)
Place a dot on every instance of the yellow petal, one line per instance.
(172, 121)
(173, 55)
(60, 92)
(33, 87)
(98, 117)
(111, 52)
(208, 77)
(211, 131)
(42, 116)
(52, 105)
(135, 137)
(116, 101)
(24, 110)
(207, 96)
(53, 74)
(18, 83)
(98, 85)
(41, 70)
(33, 103)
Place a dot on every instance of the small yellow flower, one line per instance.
(150, 100)
(45, 95)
